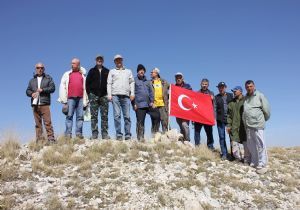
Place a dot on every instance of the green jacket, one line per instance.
(235, 121)
(256, 110)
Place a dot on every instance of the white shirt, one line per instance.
(36, 100)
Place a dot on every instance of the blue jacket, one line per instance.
(143, 92)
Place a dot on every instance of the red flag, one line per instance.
(190, 105)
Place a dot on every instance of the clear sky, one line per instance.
(229, 41)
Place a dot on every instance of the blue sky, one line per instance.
(229, 41)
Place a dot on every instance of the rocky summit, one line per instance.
(160, 173)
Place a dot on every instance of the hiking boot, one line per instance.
(119, 138)
(127, 138)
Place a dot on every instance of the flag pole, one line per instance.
(170, 96)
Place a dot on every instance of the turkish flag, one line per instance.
(190, 105)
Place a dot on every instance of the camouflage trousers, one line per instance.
(97, 103)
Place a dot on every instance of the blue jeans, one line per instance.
(121, 102)
(74, 104)
(221, 130)
(209, 134)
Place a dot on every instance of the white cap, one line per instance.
(156, 69)
(118, 56)
(178, 74)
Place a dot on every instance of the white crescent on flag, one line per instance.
(180, 98)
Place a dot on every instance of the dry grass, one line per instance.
(9, 173)
(54, 203)
(204, 154)
(7, 202)
(57, 154)
(10, 147)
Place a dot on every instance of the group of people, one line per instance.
(243, 117)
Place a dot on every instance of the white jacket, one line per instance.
(64, 87)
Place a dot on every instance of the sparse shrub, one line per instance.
(204, 154)
(10, 148)
(122, 197)
(54, 203)
(8, 173)
(121, 148)
(161, 199)
(36, 146)
(7, 202)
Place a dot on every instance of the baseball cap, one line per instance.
(99, 56)
(221, 84)
(178, 74)
(118, 56)
(156, 69)
(237, 88)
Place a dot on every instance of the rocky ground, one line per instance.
(162, 173)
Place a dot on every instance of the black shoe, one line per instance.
(127, 138)
(119, 138)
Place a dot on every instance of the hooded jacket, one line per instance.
(48, 86)
(256, 110)
(64, 87)
(96, 83)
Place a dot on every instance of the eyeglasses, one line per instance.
(39, 67)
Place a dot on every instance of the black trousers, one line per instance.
(140, 121)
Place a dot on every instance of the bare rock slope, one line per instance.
(161, 173)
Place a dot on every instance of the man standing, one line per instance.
(39, 89)
(235, 126)
(208, 128)
(183, 124)
(161, 97)
(143, 103)
(96, 88)
(120, 91)
(222, 100)
(256, 113)
(73, 95)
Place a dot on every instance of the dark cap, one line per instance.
(221, 84)
(140, 67)
(237, 88)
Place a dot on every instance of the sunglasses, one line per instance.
(38, 67)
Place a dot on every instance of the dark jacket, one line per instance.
(143, 92)
(185, 85)
(165, 89)
(221, 115)
(48, 86)
(235, 121)
(93, 83)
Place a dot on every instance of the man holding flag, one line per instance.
(190, 105)
(183, 123)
